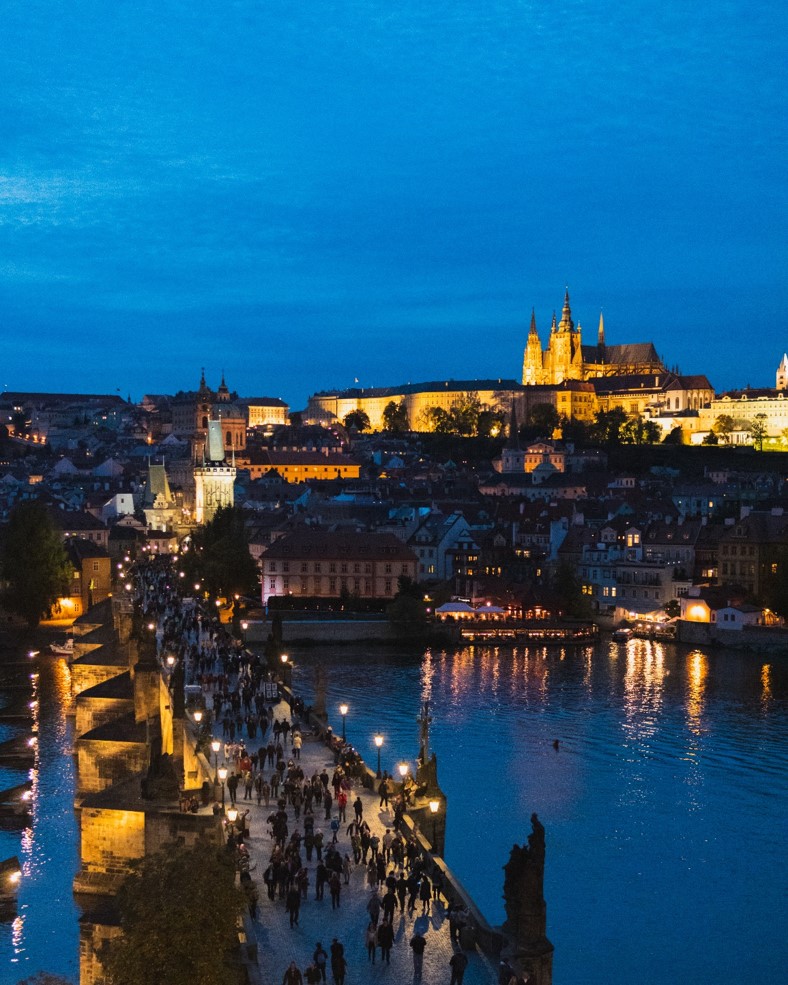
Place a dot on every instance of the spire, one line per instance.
(601, 335)
(203, 385)
(223, 393)
(567, 325)
(552, 325)
(514, 437)
(532, 330)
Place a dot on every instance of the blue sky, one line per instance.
(303, 194)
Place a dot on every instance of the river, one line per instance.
(664, 805)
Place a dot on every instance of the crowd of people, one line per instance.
(317, 834)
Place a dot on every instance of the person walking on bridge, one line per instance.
(293, 976)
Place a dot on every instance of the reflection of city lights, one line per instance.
(32, 741)
(27, 795)
(766, 683)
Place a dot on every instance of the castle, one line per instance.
(566, 358)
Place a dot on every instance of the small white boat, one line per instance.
(64, 649)
(622, 635)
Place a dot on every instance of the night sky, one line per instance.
(303, 194)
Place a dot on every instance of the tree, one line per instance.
(34, 563)
(220, 557)
(637, 431)
(357, 420)
(608, 424)
(723, 427)
(178, 913)
(710, 439)
(758, 430)
(490, 423)
(296, 418)
(395, 417)
(545, 417)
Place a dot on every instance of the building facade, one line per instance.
(322, 563)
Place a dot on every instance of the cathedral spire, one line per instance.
(532, 330)
(601, 334)
(514, 436)
(553, 324)
(567, 325)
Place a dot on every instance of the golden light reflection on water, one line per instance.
(766, 686)
(644, 681)
(697, 672)
(17, 937)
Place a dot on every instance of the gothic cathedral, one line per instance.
(566, 358)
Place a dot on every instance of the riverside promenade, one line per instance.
(278, 944)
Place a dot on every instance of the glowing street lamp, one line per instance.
(379, 743)
(198, 716)
(434, 808)
(222, 773)
(343, 709)
(403, 770)
(216, 746)
(170, 661)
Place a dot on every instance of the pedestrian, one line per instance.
(311, 974)
(418, 943)
(458, 963)
(373, 908)
(293, 976)
(425, 895)
(297, 743)
(389, 906)
(347, 868)
(293, 905)
(371, 941)
(338, 963)
(335, 886)
(321, 878)
(358, 807)
(385, 941)
(320, 957)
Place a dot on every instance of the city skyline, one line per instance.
(306, 198)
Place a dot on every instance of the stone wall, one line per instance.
(100, 764)
(111, 839)
(96, 711)
(92, 934)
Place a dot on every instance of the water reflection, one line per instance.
(766, 687)
(697, 672)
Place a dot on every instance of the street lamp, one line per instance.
(232, 817)
(216, 746)
(378, 743)
(434, 806)
(222, 773)
(171, 661)
(343, 713)
(198, 716)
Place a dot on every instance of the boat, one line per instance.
(64, 649)
(622, 635)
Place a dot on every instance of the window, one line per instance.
(387, 586)
(387, 568)
(332, 586)
(356, 569)
(343, 568)
(285, 584)
(332, 568)
(368, 586)
(317, 567)
(304, 567)
(272, 566)
(95, 565)
(285, 566)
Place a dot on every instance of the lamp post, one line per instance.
(198, 715)
(379, 743)
(216, 746)
(434, 806)
(343, 712)
(232, 817)
(403, 772)
(222, 773)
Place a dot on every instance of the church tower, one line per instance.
(782, 373)
(215, 478)
(566, 354)
(533, 369)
